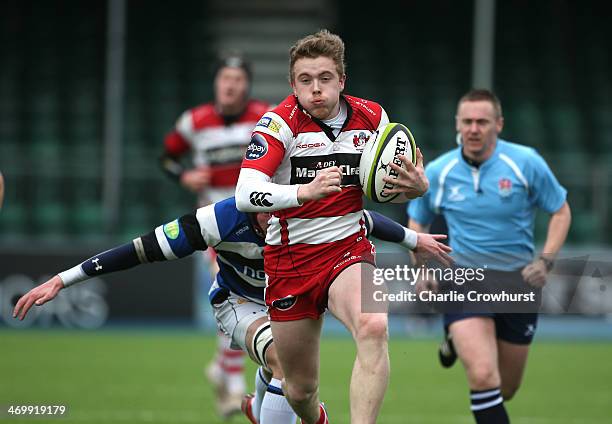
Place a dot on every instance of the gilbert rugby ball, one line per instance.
(389, 141)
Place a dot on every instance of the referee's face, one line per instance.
(479, 125)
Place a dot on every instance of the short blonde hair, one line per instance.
(322, 43)
(480, 94)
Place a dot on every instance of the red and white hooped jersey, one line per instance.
(294, 146)
(215, 143)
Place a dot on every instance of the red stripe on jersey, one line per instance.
(270, 161)
(284, 231)
(207, 116)
(224, 175)
(175, 144)
(297, 260)
(337, 204)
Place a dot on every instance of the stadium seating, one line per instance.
(553, 80)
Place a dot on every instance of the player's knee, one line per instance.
(273, 363)
(300, 394)
(483, 376)
(372, 327)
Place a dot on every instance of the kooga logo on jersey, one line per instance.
(257, 148)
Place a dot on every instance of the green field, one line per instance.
(156, 377)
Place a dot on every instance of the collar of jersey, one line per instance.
(329, 132)
(487, 162)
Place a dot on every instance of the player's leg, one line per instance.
(515, 333)
(370, 375)
(475, 342)
(226, 369)
(269, 405)
(297, 348)
(512, 361)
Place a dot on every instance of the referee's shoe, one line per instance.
(446, 351)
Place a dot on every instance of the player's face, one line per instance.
(317, 85)
(479, 125)
(231, 88)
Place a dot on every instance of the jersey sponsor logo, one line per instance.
(274, 126)
(310, 145)
(264, 122)
(257, 274)
(172, 230)
(257, 148)
(285, 303)
(360, 140)
(305, 168)
(505, 187)
(270, 124)
(258, 198)
(454, 195)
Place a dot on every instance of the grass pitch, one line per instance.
(146, 376)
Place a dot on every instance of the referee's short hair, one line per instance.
(481, 94)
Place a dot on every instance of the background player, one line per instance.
(237, 293)
(316, 248)
(216, 134)
(488, 190)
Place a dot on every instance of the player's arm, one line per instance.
(176, 144)
(558, 227)
(174, 240)
(428, 245)
(255, 191)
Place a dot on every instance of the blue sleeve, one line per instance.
(419, 209)
(383, 228)
(544, 189)
(176, 239)
(116, 259)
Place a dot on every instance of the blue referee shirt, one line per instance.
(490, 210)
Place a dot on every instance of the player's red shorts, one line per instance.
(296, 297)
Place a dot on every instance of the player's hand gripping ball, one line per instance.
(388, 142)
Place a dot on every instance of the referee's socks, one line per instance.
(488, 406)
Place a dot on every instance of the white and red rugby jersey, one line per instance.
(290, 146)
(215, 142)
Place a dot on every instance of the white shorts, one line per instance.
(235, 315)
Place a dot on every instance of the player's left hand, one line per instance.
(411, 181)
(430, 248)
(38, 295)
(535, 274)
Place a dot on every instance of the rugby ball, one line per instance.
(388, 141)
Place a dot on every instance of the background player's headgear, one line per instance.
(234, 60)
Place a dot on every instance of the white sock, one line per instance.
(275, 409)
(261, 385)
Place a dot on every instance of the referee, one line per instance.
(488, 190)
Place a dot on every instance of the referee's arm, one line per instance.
(558, 226)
